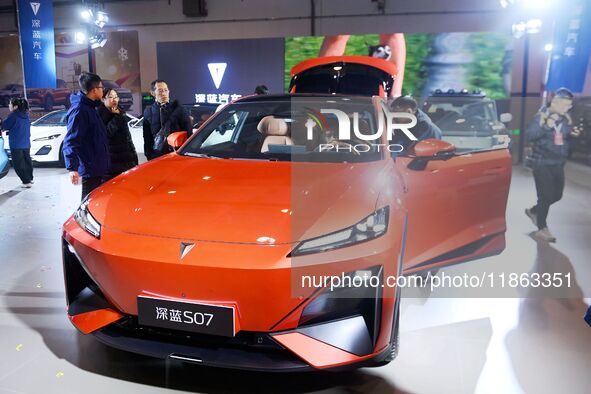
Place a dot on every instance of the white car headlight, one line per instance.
(373, 226)
(85, 219)
(49, 137)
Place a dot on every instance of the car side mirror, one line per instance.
(433, 147)
(506, 117)
(430, 149)
(177, 139)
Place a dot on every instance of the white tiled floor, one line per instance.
(448, 344)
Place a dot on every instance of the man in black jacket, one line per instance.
(162, 118)
(425, 128)
(550, 132)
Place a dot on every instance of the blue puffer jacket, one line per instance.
(19, 126)
(86, 144)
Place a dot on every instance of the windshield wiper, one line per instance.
(202, 155)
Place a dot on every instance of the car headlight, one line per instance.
(373, 226)
(85, 219)
(49, 137)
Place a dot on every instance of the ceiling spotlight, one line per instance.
(80, 37)
(518, 29)
(548, 47)
(533, 26)
(101, 19)
(86, 14)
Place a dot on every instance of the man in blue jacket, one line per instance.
(86, 145)
(550, 132)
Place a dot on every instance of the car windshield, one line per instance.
(289, 129)
(57, 118)
(463, 116)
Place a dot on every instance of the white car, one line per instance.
(49, 131)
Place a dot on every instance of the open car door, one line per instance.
(456, 203)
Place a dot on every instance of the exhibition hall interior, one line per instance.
(323, 196)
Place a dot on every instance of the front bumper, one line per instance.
(46, 151)
(103, 304)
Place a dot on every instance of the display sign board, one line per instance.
(222, 70)
(572, 48)
(35, 20)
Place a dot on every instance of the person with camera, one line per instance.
(549, 133)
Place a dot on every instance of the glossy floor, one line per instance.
(451, 341)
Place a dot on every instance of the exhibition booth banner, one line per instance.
(220, 71)
(572, 48)
(35, 20)
(117, 63)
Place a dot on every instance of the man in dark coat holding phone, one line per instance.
(161, 119)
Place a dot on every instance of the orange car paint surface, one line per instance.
(245, 217)
(318, 354)
(242, 275)
(381, 64)
(93, 320)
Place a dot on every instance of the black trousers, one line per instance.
(89, 184)
(22, 163)
(549, 187)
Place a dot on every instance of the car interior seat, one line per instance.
(274, 131)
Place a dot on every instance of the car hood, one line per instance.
(244, 201)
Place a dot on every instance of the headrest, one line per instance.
(270, 125)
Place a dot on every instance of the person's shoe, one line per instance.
(530, 214)
(27, 185)
(545, 235)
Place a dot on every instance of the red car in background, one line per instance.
(45, 98)
(49, 98)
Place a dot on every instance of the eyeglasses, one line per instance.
(113, 97)
(99, 87)
(161, 90)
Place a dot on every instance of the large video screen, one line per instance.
(220, 70)
(473, 61)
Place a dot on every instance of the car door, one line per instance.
(456, 207)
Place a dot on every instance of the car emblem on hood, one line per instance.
(186, 248)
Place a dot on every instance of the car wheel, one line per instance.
(48, 103)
